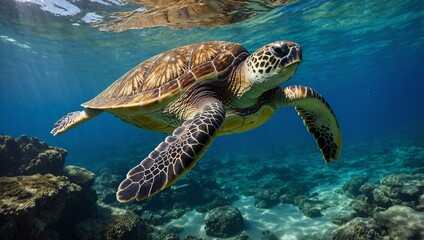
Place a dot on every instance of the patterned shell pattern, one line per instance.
(164, 77)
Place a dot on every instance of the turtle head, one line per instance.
(272, 64)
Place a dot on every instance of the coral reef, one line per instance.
(394, 189)
(267, 198)
(280, 185)
(274, 183)
(192, 192)
(105, 185)
(31, 205)
(85, 206)
(79, 175)
(310, 207)
(242, 236)
(113, 223)
(176, 237)
(362, 208)
(70, 202)
(358, 229)
(343, 217)
(351, 187)
(39, 197)
(397, 222)
(267, 235)
(27, 156)
(401, 222)
(403, 188)
(225, 221)
(390, 209)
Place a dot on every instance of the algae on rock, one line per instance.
(31, 205)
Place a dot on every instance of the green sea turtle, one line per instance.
(198, 92)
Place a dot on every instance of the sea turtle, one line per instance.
(198, 92)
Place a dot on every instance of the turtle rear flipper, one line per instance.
(73, 119)
(317, 116)
(175, 156)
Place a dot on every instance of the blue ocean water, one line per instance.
(364, 57)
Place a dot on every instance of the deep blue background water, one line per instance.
(364, 57)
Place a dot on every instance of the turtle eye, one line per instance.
(279, 50)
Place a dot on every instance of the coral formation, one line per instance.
(343, 217)
(242, 236)
(310, 207)
(39, 197)
(267, 235)
(390, 208)
(31, 205)
(362, 208)
(402, 222)
(351, 187)
(191, 192)
(113, 224)
(358, 229)
(279, 185)
(225, 221)
(403, 188)
(267, 198)
(79, 175)
(380, 206)
(106, 183)
(176, 237)
(85, 206)
(394, 189)
(26, 156)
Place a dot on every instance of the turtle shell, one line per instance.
(161, 79)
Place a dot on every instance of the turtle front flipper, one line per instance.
(73, 119)
(175, 156)
(317, 117)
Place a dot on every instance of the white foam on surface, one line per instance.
(286, 221)
(57, 7)
(64, 7)
(91, 17)
(109, 2)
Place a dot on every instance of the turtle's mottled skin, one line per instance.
(198, 92)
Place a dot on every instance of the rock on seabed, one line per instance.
(30, 205)
(39, 197)
(402, 222)
(27, 156)
(225, 221)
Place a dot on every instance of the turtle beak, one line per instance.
(293, 56)
(297, 52)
